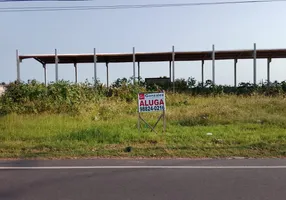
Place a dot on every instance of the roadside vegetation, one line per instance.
(67, 120)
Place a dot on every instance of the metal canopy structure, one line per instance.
(156, 57)
(138, 57)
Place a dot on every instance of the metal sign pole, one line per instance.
(164, 121)
(138, 123)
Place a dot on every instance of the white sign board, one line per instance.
(151, 102)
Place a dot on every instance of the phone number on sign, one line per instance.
(151, 108)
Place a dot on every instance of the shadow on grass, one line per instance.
(98, 142)
(255, 149)
(94, 135)
(254, 146)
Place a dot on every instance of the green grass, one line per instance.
(240, 126)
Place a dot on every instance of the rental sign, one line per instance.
(151, 102)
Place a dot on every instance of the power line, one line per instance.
(9, 1)
(112, 7)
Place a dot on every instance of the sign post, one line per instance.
(152, 102)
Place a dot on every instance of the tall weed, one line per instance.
(67, 97)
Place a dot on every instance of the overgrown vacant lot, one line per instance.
(252, 126)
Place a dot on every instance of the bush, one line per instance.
(67, 97)
(60, 97)
(35, 97)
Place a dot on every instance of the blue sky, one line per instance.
(229, 27)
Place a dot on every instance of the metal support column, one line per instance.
(203, 63)
(95, 70)
(45, 73)
(139, 71)
(18, 66)
(56, 65)
(235, 70)
(268, 71)
(75, 72)
(134, 65)
(173, 61)
(254, 64)
(170, 70)
(213, 63)
(107, 75)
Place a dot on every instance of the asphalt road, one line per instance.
(143, 179)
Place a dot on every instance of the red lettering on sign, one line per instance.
(156, 102)
(151, 102)
(142, 103)
(141, 96)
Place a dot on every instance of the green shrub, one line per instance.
(67, 97)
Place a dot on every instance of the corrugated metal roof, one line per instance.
(157, 56)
